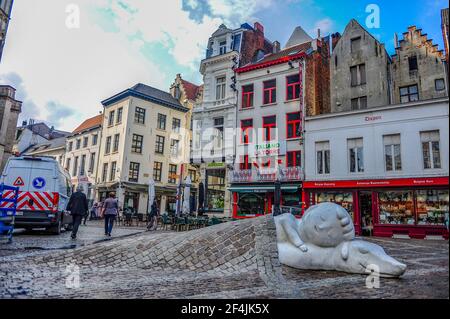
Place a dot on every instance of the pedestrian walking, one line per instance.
(78, 207)
(153, 222)
(110, 212)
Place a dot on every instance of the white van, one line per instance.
(45, 190)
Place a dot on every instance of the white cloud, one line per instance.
(325, 25)
(80, 67)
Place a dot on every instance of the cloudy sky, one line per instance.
(61, 74)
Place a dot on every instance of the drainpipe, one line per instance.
(302, 72)
(100, 137)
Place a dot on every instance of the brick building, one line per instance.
(275, 93)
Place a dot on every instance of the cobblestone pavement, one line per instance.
(232, 260)
(36, 241)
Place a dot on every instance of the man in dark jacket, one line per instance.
(78, 207)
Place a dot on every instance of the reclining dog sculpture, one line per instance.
(324, 239)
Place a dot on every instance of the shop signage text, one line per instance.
(438, 181)
(270, 149)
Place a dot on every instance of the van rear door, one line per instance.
(38, 177)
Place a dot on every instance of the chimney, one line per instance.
(335, 37)
(24, 123)
(396, 40)
(276, 47)
(259, 27)
(318, 34)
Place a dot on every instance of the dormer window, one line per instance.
(223, 47)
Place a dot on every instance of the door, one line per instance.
(365, 208)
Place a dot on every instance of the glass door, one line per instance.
(365, 208)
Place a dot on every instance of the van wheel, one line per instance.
(55, 230)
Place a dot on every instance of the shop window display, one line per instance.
(343, 199)
(215, 190)
(432, 207)
(396, 208)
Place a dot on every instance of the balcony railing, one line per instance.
(266, 175)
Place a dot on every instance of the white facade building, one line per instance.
(82, 154)
(215, 117)
(388, 166)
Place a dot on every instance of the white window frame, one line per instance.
(392, 146)
(358, 169)
(221, 88)
(428, 138)
(322, 148)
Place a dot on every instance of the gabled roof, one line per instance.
(90, 123)
(221, 31)
(44, 131)
(299, 36)
(191, 90)
(150, 94)
(56, 143)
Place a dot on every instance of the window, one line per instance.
(105, 172)
(392, 152)
(356, 155)
(431, 149)
(108, 145)
(83, 165)
(294, 159)
(68, 164)
(85, 142)
(218, 135)
(220, 88)
(237, 42)
(269, 125)
(94, 139)
(247, 131)
(270, 92)
(396, 207)
(136, 143)
(323, 157)
(111, 118)
(439, 84)
(159, 147)
(412, 60)
(116, 143)
(162, 119)
(176, 125)
(355, 44)
(133, 174)
(92, 163)
(293, 125)
(216, 190)
(247, 96)
(70, 146)
(293, 87)
(409, 94)
(172, 174)
(78, 146)
(358, 75)
(139, 116)
(359, 103)
(112, 173)
(119, 115)
(432, 205)
(193, 175)
(222, 47)
(174, 147)
(75, 167)
(340, 198)
(245, 163)
(157, 170)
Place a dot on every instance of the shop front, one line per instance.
(254, 200)
(414, 207)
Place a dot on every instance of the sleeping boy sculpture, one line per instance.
(324, 239)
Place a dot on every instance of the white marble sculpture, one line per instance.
(324, 239)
